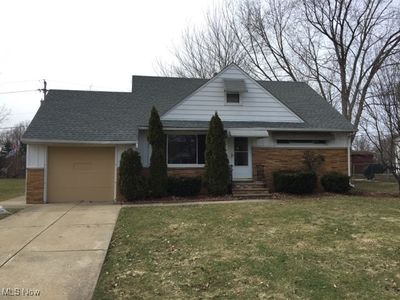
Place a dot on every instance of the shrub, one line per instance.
(158, 165)
(132, 184)
(217, 164)
(295, 182)
(184, 186)
(373, 169)
(335, 182)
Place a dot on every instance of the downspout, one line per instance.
(349, 159)
(349, 156)
(45, 175)
(116, 155)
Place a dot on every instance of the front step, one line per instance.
(253, 196)
(250, 190)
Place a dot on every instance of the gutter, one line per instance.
(41, 141)
(266, 128)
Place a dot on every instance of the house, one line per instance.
(76, 138)
(360, 160)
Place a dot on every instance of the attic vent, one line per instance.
(235, 85)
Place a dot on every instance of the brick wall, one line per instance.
(34, 186)
(275, 159)
(186, 172)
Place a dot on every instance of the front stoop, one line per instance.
(250, 190)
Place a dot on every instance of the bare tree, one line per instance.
(382, 120)
(13, 154)
(15, 133)
(4, 113)
(359, 37)
(205, 51)
(362, 143)
(338, 46)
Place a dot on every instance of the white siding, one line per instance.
(144, 148)
(256, 104)
(36, 156)
(118, 152)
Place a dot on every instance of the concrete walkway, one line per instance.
(56, 249)
(133, 204)
(18, 202)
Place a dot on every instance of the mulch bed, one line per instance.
(274, 196)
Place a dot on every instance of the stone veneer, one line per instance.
(275, 159)
(34, 186)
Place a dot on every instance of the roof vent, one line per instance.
(235, 85)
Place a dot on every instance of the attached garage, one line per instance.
(80, 174)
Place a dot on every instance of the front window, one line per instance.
(186, 149)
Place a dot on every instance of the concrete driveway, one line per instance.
(56, 249)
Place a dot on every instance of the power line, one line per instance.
(12, 127)
(13, 92)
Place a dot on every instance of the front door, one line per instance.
(240, 158)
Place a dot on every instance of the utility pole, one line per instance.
(44, 89)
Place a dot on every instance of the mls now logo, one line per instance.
(19, 292)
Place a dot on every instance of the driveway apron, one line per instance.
(56, 250)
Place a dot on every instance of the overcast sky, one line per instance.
(85, 44)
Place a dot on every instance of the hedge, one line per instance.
(335, 182)
(295, 182)
(184, 186)
(132, 184)
(373, 169)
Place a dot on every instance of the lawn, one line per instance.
(330, 248)
(11, 187)
(379, 186)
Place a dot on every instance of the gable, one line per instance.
(256, 103)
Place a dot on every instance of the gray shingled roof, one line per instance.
(84, 116)
(81, 116)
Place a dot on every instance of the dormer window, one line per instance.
(233, 90)
(232, 98)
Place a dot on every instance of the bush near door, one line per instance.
(295, 182)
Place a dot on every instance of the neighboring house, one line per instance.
(76, 139)
(360, 160)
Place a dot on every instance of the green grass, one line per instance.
(11, 187)
(330, 248)
(376, 186)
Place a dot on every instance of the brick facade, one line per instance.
(275, 159)
(186, 172)
(34, 186)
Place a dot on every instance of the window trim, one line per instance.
(196, 165)
(233, 103)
